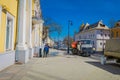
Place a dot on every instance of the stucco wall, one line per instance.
(7, 59)
(12, 9)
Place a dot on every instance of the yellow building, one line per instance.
(115, 31)
(8, 20)
(8, 24)
(20, 28)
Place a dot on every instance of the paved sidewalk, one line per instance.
(61, 67)
(18, 71)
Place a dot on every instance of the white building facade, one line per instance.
(29, 28)
(98, 33)
(37, 27)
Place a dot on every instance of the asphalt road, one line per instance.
(58, 66)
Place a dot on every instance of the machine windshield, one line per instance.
(85, 41)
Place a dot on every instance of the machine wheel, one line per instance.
(74, 51)
(84, 54)
(79, 53)
(87, 54)
(118, 60)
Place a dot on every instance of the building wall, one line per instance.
(8, 11)
(33, 8)
(37, 26)
(95, 36)
(12, 9)
(7, 59)
(115, 32)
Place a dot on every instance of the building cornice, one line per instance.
(92, 30)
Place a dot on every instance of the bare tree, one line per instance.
(50, 26)
(45, 33)
(112, 23)
(65, 41)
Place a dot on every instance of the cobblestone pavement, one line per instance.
(58, 66)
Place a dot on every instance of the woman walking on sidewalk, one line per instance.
(46, 50)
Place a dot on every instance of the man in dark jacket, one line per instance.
(46, 50)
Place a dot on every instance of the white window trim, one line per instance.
(8, 15)
(0, 17)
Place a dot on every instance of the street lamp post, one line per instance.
(69, 23)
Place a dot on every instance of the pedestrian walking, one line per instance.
(46, 50)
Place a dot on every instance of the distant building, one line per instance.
(97, 32)
(50, 41)
(115, 31)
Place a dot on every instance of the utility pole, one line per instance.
(69, 23)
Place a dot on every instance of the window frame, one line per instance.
(11, 41)
(0, 17)
(117, 34)
(101, 43)
(105, 35)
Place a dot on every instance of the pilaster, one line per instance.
(21, 47)
(30, 29)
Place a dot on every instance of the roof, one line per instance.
(92, 26)
(97, 25)
(82, 27)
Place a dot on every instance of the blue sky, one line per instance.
(80, 11)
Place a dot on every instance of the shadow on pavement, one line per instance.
(33, 74)
(53, 54)
(110, 67)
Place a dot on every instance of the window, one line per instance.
(0, 15)
(9, 31)
(108, 35)
(116, 34)
(89, 36)
(105, 35)
(112, 34)
(101, 30)
(93, 42)
(86, 41)
(102, 25)
(104, 44)
(79, 37)
(100, 43)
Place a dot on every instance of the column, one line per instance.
(35, 36)
(35, 41)
(21, 48)
(41, 30)
(41, 42)
(30, 29)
